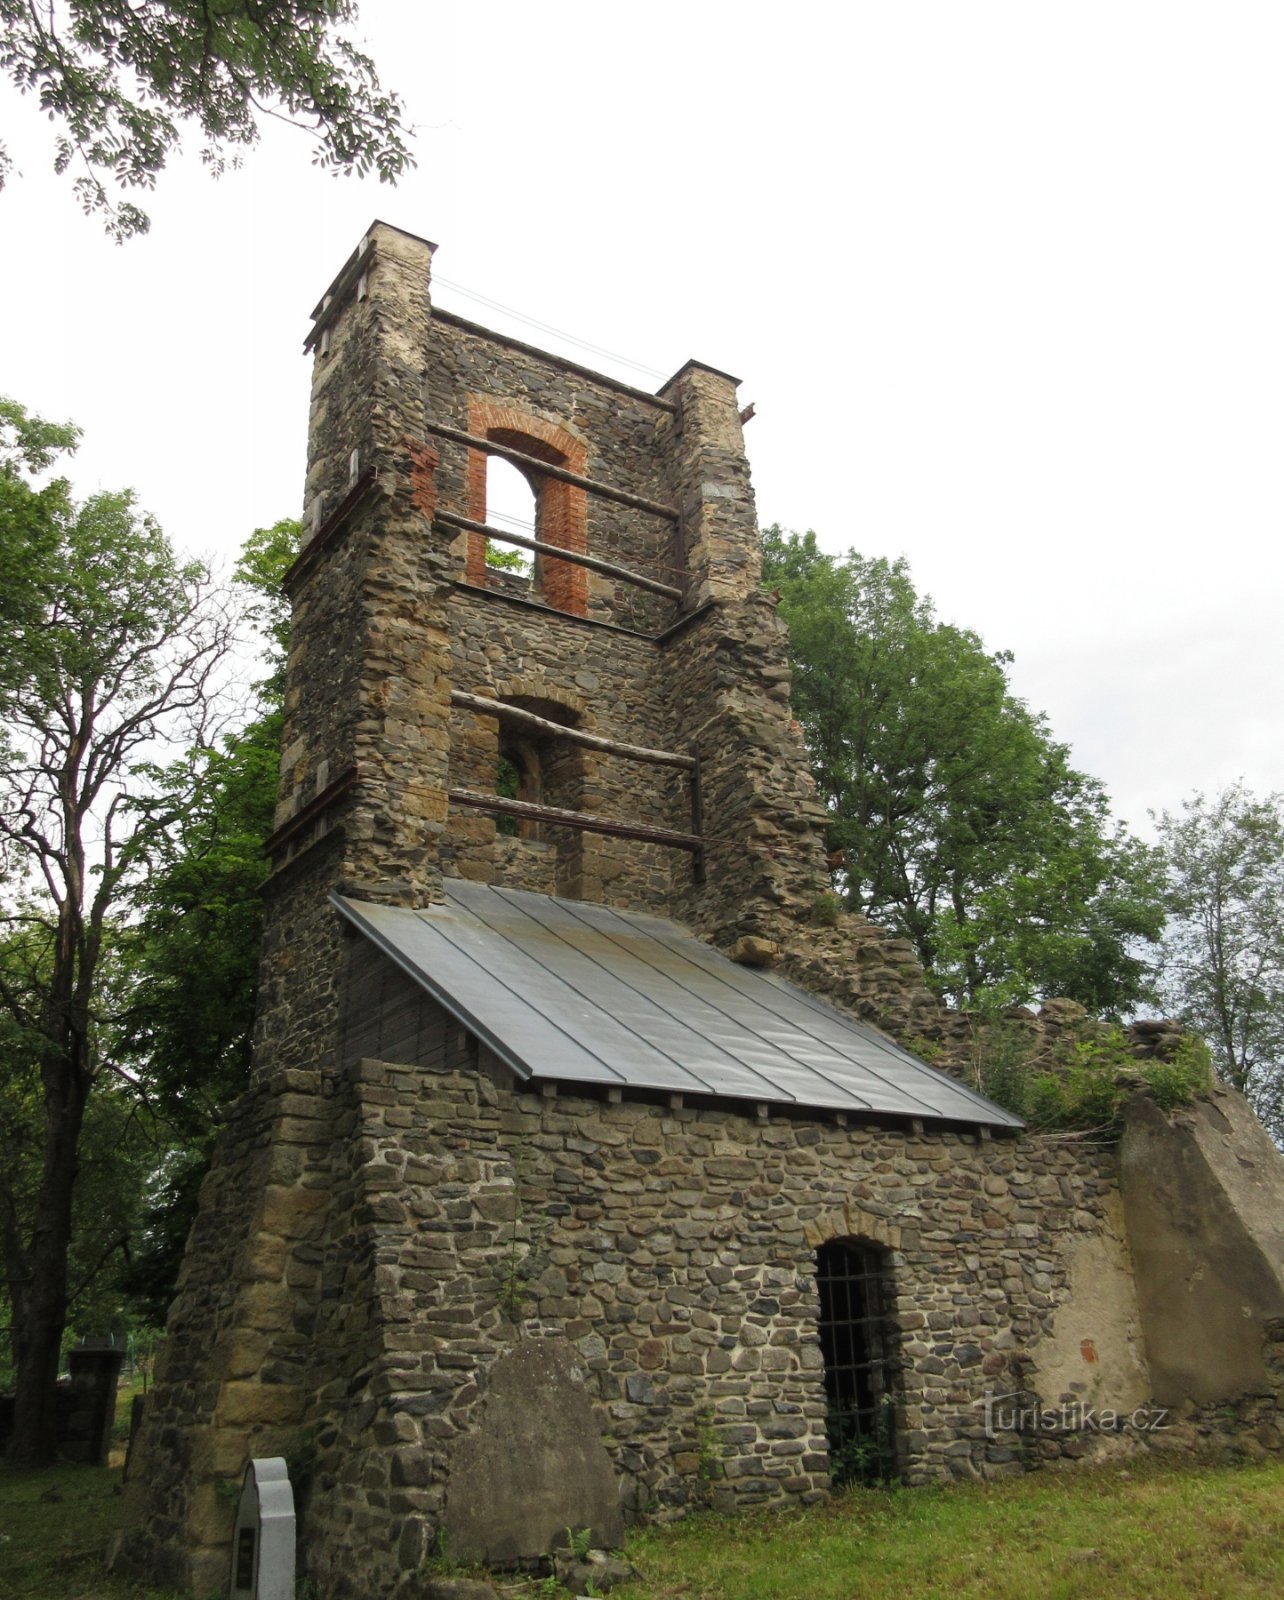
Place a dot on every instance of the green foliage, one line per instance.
(194, 945)
(1223, 950)
(439, 1562)
(710, 1453)
(961, 821)
(118, 1147)
(929, 1050)
(121, 80)
(130, 895)
(859, 1456)
(1083, 1084)
(507, 560)
(508, 782)
(579, 1541)
(265, 558)
(826, 909)
(1001, 1052)
(112, 648)
(1182, 1078)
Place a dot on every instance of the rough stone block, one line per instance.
(242, 1404)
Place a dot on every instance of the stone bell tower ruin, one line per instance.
(414, 664)
(533, 1194)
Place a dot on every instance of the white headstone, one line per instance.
(263, 1539)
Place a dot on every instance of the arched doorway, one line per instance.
(854, 1282)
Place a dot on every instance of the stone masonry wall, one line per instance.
(674, 1251)
(600, 680)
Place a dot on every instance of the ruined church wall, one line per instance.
(727, 680)
(673, 1252)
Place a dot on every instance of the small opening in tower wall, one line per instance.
(854, 1282)
(511, 502)
(518, 777)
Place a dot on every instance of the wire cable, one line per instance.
(547, 327)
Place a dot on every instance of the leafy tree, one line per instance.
(116, 1154)
(957, 818)
(112, 648)
(30, 515)
(122, 79)
(1223, 952)
(195, 947)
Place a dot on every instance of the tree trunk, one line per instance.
(40, 1300)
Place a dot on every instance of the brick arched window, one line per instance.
(511, 502)
(561, 509)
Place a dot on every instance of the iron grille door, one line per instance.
(855, 1340)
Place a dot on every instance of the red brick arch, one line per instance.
(563, 509)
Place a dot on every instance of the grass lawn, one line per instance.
(54, 1527)
(1148, 1531)
(1142, 1532)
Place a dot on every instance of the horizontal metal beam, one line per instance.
(584, 820)
(577, 558)
(475, 441)
(486, 707)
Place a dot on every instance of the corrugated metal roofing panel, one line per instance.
(584, 993)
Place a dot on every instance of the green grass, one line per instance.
(1144, 1532)
(1148, 1531)
(55, 1525)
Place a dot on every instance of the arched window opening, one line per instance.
(519, 776)
(511, 502)
(558, 509)
(856, 1342)
(508, 785)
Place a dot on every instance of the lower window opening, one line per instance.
(857, 1345)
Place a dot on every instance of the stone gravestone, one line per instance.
(263, 1539)
(534, 1465)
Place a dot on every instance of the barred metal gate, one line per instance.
(856, 1341)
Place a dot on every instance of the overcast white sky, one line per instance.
(1004, 280)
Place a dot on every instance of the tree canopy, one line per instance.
(956, 816)
(113, 647)
(1223, 951)
(194, 946)
(120, 81)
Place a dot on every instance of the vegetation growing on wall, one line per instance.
(1083, 1082)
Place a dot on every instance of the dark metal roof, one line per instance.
(583, 993)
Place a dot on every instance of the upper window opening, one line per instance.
(510, 503)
